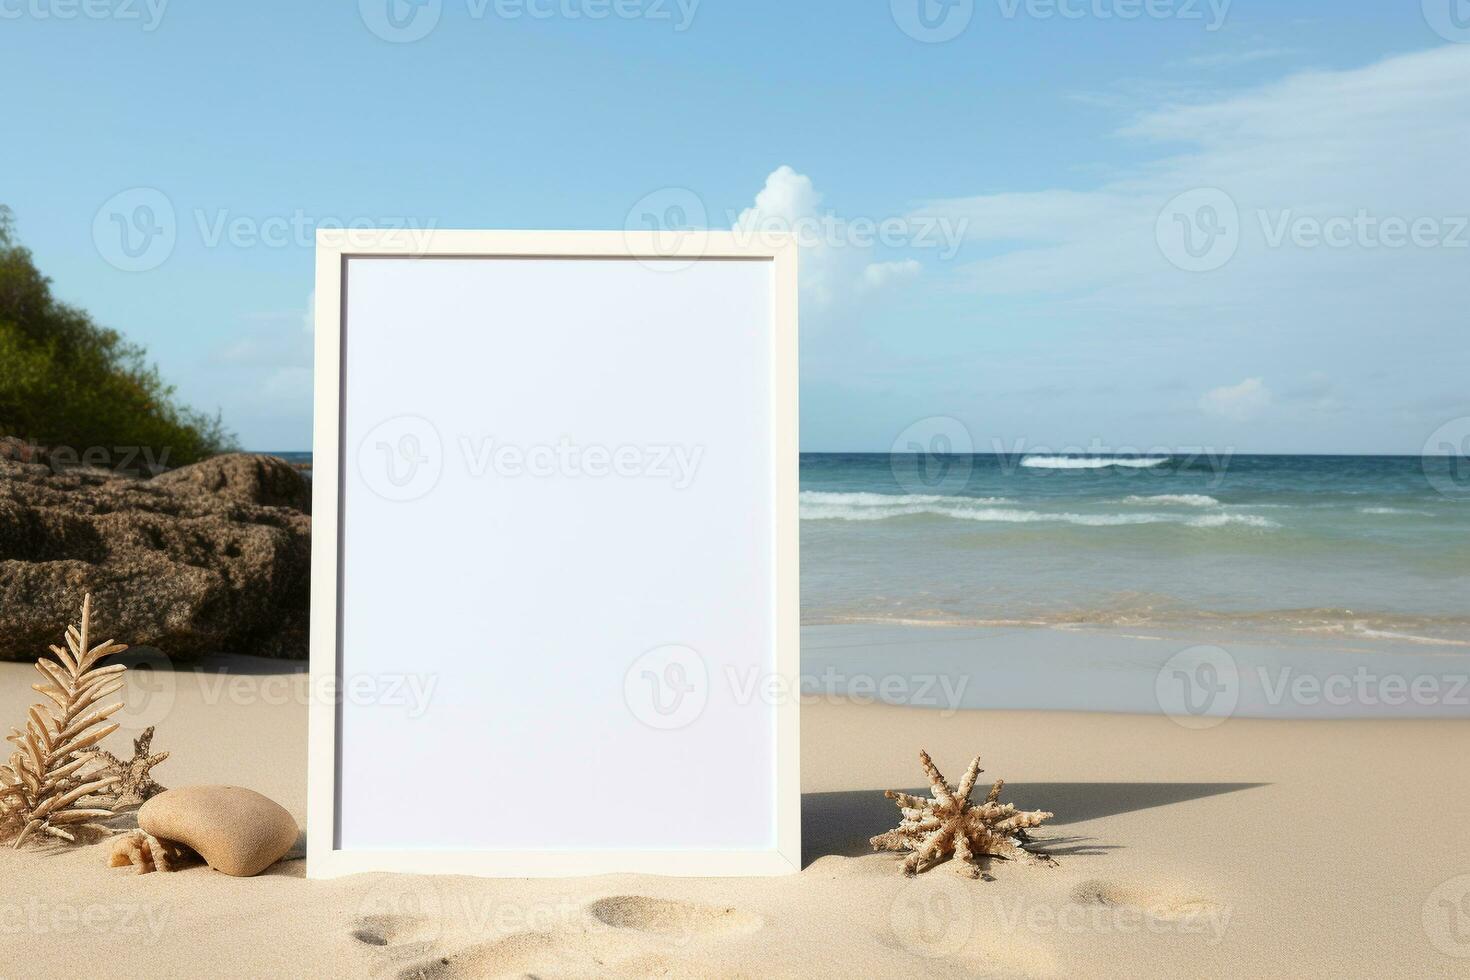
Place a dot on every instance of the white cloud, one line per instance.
(271, 357)
(1386, 138)
(1089, 266)
(837, 257)
(786, 195)
(1237, 403)
(880, 274)
(269, 340)
(1222, 59)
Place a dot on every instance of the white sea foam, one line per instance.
(986, 515)
(1091, 462)
(1392, 510)
(1359, 629)
(864, 499)
(1183, 499)
(1222, 520)
(819, 506)
(998, 515)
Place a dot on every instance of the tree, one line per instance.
(66, 381)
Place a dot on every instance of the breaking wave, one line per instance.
(1091, 462)
(862, 499)
(817, 506)
(1221, 520)
(1183, 499)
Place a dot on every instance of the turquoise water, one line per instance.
(1367, 548)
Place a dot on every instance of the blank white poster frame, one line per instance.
(555, 602)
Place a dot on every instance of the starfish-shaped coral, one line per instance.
(949, 823)
(135, 785)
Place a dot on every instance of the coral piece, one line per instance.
(42, 790)
(949, 824)
(135, 785)
(148, 853)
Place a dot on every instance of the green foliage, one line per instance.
(65, 381)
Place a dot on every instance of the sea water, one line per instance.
(1361, 547)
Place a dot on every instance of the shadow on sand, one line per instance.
(841, 823)
(152, 658)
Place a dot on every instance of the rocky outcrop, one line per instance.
(243, 479)
(213, 557)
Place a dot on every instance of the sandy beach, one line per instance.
(1258, 846)
(449, 453)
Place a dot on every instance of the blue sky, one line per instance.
(1111, 224)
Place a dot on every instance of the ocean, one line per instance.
(1366, 549)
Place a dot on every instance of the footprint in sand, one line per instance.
(521, 952)
(665, 917)
(617, 944)
(1158, 905)
(543, 954)
(385, 930)
(403, 913)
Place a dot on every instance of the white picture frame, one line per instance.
(731, 788)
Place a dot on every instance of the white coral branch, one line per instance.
(53, 770)
(949, 824)
(147, 853)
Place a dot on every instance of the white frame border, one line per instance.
(333, 247)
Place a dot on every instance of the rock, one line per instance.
(22, 451)
(235, 830)
(209, 558)
(246, 479)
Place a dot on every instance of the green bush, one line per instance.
(65, 381)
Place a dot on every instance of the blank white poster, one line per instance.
(557, 534)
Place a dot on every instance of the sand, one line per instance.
(1257, 847)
